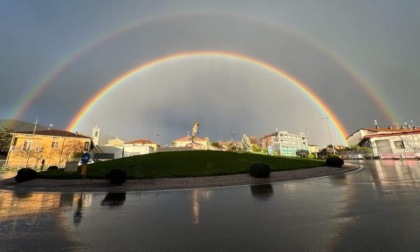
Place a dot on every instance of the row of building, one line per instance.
(55, 147)
(52, 147)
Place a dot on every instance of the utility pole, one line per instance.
(31, 144)
(329, 131)
(307, 140)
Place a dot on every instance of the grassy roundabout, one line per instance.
(186, 164)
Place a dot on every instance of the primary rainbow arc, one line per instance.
(119, 80)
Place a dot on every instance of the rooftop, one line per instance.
(53, 132)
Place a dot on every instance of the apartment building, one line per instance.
(284, 144)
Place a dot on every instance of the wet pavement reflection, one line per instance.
(377, 208)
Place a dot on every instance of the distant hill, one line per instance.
(16, 125)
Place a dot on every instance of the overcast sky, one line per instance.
(360, 57)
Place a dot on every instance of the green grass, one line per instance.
(186, 164)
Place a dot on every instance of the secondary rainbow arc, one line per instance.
(24, 102)
(119, 80)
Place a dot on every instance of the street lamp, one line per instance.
(329, 131)
(412, 135)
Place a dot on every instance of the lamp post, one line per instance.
(412, 135)
(307, 141)
(329, 132)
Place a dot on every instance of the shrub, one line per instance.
(25, 174)
(117, 176)
(334, 162)
(259, 170)
(52, 168)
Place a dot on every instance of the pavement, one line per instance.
(102, 185)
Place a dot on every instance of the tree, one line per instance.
(254, 140)
(234, 147)
(246, 144)
(265, 150)
(215, 144)
(5, 139)
(256, 148)
(68, 150)
(38, 154)
(32, 151)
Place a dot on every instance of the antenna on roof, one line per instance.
(376, 124)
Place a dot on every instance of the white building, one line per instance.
(95, 135)
(284, 143)
(139, 147)
(388, 142)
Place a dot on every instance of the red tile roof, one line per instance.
(140, 141)
(393, 134)
(387, 130)
(393, 130)
(53, 132)
(188, 138)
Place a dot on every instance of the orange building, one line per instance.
(45, 147)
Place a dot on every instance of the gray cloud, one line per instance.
(381, 47)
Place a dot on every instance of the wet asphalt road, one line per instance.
(374, 209)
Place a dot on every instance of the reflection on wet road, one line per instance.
(377, 208)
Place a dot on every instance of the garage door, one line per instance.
(383, 146)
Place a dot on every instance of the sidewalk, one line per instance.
(102, 185)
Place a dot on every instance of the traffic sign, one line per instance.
(85, 158)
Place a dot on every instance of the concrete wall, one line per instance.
(134, 150)
(411, 144)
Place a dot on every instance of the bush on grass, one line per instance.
(334, 162)
(117, 176)
(25, 174)
(52, 168)
(259, 170)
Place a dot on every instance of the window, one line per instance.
(54, 145)
(27, 145)
(87, 145)
(399, 144)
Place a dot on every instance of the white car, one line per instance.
(89, 162)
